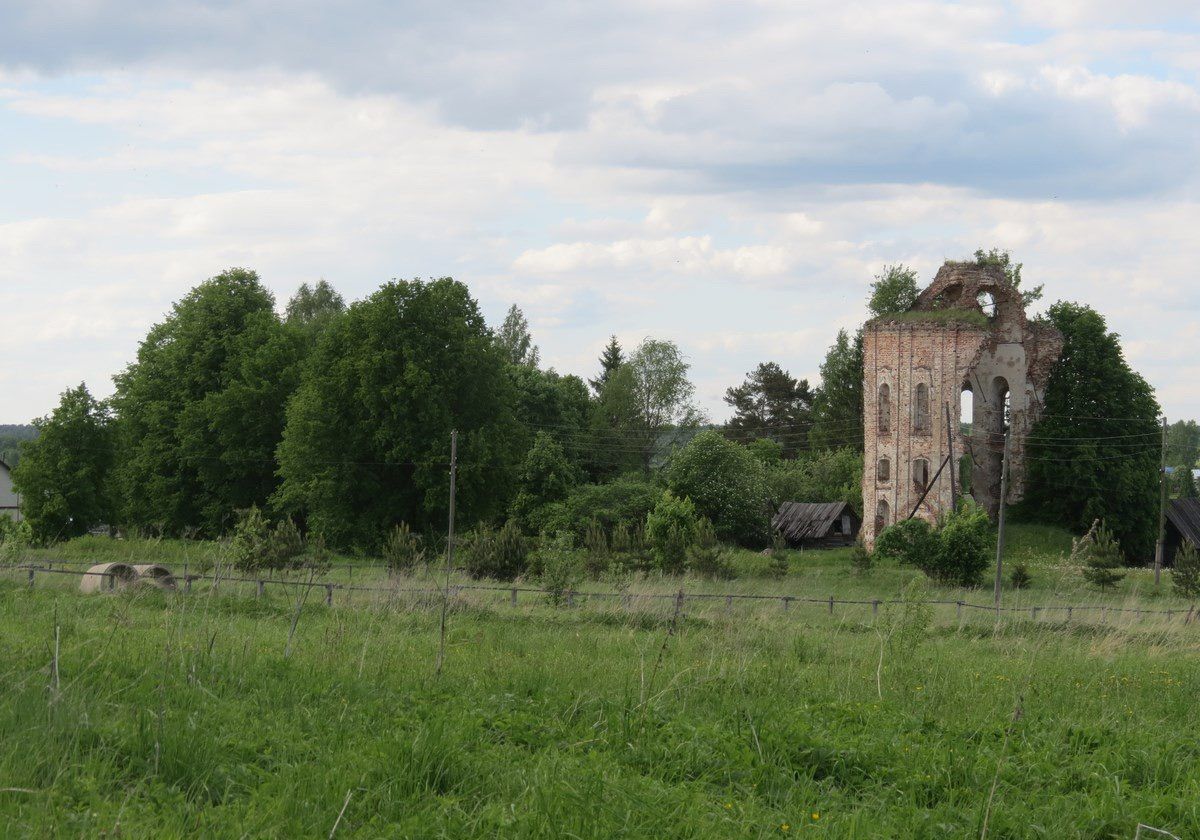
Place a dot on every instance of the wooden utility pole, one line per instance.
(1162, 506)
(1000, 521)
(950, 449)
(449, 551)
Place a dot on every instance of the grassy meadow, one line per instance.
(155, 714)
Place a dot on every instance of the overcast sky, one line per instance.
(724, 175)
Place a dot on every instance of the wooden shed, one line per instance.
(1183, 525)
(817, 525)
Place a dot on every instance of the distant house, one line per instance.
(1183, 525)
(10, 502)
(819, 525)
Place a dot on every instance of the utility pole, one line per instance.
(953, 466)
(449, 550)
(1162, 506)
(1000, 522)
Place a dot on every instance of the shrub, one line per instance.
(15, 537)
(560, 568)
(957, 553)
(1185, 576)
(907, 542)
(1020, 576)
(256, 545)
(402, 550)
(705, 557)
(1102, 558)
(671, 531)
(626, 501)
(629, 547)
(963, 546)
(861, 559)
(501, 554)
(726, 483)
(598, 558)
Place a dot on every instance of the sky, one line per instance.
(727, 176)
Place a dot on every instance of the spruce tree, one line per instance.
(1185, 576)
(1103, 559)
(611, 359)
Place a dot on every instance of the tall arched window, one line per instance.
(883, 470)
(920, 475)
(921, 420)
(881, 515)
(885, 409)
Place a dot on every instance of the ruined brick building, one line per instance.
(967, 332)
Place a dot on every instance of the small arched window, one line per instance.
(920, 475)
(885, 409)
(921, 420)
(883, 470)
(881, 515)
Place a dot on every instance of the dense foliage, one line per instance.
(956, 552)
(1095, 452)
(367, 443)
(63, 475)
(12, 435)
(831, 475)
(726, 483)
(894, 291)
(771, 405)
(838, 405)
(201, 411)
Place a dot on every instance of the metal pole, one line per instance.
(449, 550)
(950, 449)
(1000, 522)
(1162, 506)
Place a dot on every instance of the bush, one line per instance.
(957, 553)
(598, 558)
(964, 541)
(671, 531)
(1185, 576)
(257, 546)
(1102, 558)
(861, 559)
(626, 501)
(15, 537)
(726, 483)
(500, 554)
(909, 541)
(1020, 576)
(706, 557)
(402, 550)
(560, 568)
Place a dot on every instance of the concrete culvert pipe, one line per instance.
(159, 577)
(106, 577)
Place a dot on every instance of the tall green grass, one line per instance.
(180, 716)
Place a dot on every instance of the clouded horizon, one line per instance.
(726, 176)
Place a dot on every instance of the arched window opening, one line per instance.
(987, 302)
(881, 515)
(1003, 399)
(883, 470)
(885, 409)
(920, 475)
(922, 422)
(966, 409)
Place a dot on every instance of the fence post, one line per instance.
(1104, 615)
(187, 583)
(1033, 611)
(1188, 620)
(728, 603)
(258, 588)
(31, 577)
(679, 601)
(329, 594)
(787, 602)
(570, 597)
(874, 608)
(513, 596)
(958, 612)
(831, 605)
(1170, 615)
(1070, 611)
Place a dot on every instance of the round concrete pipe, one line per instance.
(159, 577)
(106, 577)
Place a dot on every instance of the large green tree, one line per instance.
(367, 443)
(201, 410)
(726, 483)
(894, 291)
(1095, 452)
(645, 399)
(1183, 443)
(838, 405)
(545, 401)
(63, 473)
(773, 404)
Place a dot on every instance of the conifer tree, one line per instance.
(610, 360)
(1103, 559)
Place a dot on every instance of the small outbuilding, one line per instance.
(1183, 525)
(817, 525)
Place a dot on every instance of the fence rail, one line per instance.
(569, 597)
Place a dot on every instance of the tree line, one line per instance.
(338, 418)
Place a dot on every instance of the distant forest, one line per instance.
(11, 435)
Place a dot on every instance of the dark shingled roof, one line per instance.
(1185, 515)
(808, 521)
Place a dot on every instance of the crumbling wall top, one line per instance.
(979, 288)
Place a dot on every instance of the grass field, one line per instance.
(169, 715)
